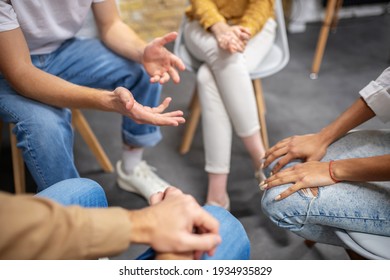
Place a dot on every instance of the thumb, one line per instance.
(202, 242)
(166, 38)
(125, 96)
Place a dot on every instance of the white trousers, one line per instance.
(225, 90)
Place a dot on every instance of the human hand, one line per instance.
(231, 38)
(303, 175)
(160, 63)
(309, 147)
(128, 106)
(175, 223)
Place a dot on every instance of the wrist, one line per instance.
(218, 28)
(140, 230)
(332, 172)
(327, 136)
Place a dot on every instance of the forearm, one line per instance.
(46, 88)
(355, 115)
(362, 169)
(36, 228)
(122, 40)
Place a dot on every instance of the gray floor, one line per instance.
(355, 54)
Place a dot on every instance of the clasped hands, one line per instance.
(231, 38)
(187, 234)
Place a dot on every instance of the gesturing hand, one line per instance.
(161, 64)
(128, 106)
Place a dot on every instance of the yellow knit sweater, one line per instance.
(248, 13)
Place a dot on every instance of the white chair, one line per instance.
(275, 61)
(369, 246)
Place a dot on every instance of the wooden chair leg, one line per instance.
(353, 255)
(335, 19)
(192, 124)
(321, 43)
(81, 124)
(17, 164)
(309, 243)
(261, 108)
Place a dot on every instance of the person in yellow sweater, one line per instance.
(231, 38)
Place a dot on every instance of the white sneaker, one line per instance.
(142, 181)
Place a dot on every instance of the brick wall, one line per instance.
(152, 18)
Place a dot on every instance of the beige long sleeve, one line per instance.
(37, 228)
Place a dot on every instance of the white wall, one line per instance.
(304, 11)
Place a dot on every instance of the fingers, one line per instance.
(278, 180)
(156, 198)
(281, 163)
(294, 188)
(163, 76)
(277, 152)
(172, 191)
(206, 222)
(126, 97)
(203, 242)
(174, 75)
(167, 38)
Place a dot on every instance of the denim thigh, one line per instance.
(80, 191)
(355, 206)
(44, 135)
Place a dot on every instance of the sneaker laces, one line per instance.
(146, 171)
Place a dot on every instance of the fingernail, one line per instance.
(278, 198)
(271, 173)
(262, 183)
(263, 187)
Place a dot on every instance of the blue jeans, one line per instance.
(87, 193)
(44, 132)
(77, 191)
(355, 206)
(235, 243)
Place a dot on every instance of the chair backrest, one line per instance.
(275, 60)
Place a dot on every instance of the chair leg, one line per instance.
(335, 19)
(329, 15)
(309, 243)
(17, 164)
(81, 124)
(261, 111)
(191, 125)
(353, 255)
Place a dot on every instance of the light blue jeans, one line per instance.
(44, 132)
(361, 207)
(87, 193)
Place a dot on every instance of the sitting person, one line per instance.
(344, 180)
(45, 69)
(38, 227)
(231, 38)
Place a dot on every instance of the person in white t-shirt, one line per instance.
(45, 69)
(344, 180)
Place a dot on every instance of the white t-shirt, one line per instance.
(377, 95)
(46, 24)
